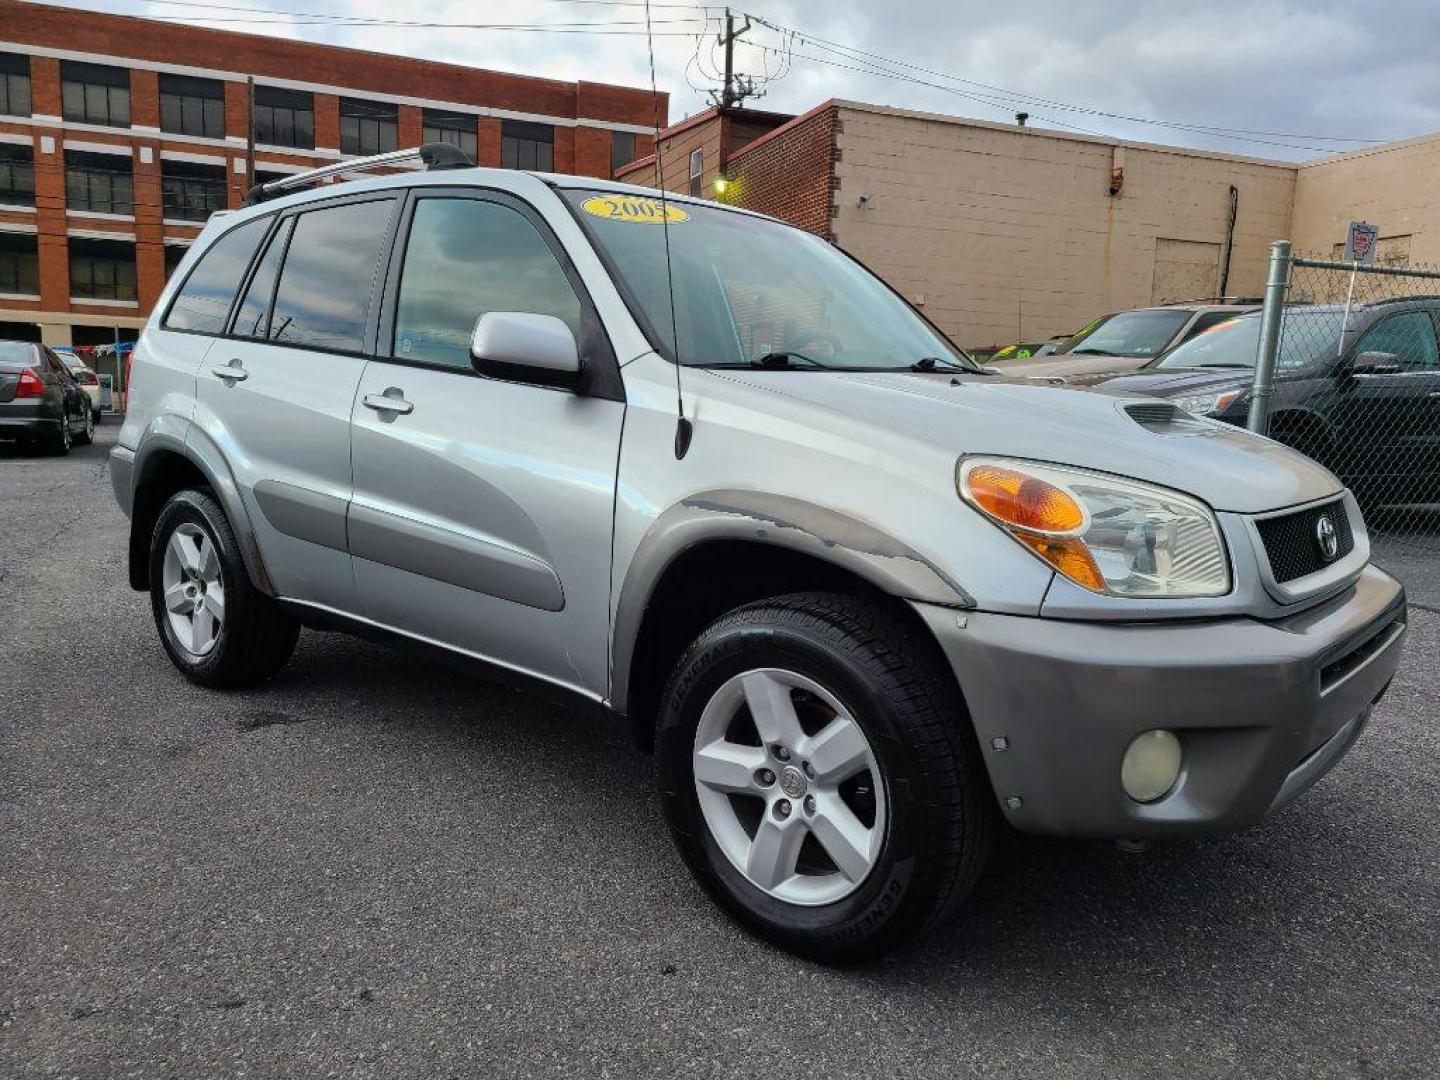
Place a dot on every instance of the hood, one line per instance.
(1175, 382)
(1069, 366)
(1227, 467)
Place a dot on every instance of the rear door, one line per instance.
(275, 394)
(483, 507)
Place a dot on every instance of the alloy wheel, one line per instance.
(194, 589)
(789, 787)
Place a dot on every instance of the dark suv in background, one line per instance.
(1358, 393)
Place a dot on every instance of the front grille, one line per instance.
(1292, 545)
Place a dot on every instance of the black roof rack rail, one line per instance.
(432, 155)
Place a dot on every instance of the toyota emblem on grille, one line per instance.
(1326, 538)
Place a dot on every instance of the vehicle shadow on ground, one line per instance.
(1057, 909)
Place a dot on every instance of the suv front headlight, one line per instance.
(1108, 534)
(1207, 404)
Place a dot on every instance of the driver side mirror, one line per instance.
(525, 347)
(1375, 363)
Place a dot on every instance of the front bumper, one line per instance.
(1262, 709)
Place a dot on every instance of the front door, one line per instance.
(483, 507)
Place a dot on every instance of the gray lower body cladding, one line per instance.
(1262, 709)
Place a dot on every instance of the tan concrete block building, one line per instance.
(999, 232)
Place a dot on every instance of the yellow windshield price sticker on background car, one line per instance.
(628, 208)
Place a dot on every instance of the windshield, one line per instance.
(1128, 333)
(754, 292)
(16, 352)
(1305, 336)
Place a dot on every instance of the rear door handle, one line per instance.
(391, 401)
(231, 372)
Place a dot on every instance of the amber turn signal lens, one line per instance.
(1069, 555)
(1027, 502)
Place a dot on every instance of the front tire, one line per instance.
(217, 628)
(841, 711)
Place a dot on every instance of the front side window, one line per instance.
(102, 269)
(98, 183)
(1128, 333)
(191, 106)
(14, 84)
(368, 127)
(19, 264)
(204, 300)
(95, 94)
(17, 175)
(190, 191)
(457, 129)
(746, 287)
(1409, 337)
(466, 257)
(328, 281)
(284, 117)
(527, 146)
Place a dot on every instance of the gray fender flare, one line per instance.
(781, 521)
(176, 435)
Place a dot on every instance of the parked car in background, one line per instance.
(40, 401)
(1127, 340)
(863, 597)
(88, 381)
(1024, 350)
(1361, 396)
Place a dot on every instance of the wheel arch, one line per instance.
(722, 549)
(172, 456)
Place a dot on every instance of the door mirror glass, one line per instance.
(1376, 363)
(518, 344)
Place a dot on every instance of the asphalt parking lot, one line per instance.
(374, 866)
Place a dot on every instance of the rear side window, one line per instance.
(204, 301)
(465, 257)
(328, 280)
(251, 320)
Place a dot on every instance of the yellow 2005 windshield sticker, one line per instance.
(632, 209)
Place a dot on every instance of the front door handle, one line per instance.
(232, 372)
(391, 401)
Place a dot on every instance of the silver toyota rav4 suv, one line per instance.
(695, 468)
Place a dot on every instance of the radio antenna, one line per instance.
(684, 429)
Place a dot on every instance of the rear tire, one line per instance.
(217, 628)
(60, 444)
(86, 437)
(930, 816)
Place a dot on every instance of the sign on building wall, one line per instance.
(1360, 243)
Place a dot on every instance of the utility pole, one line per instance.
(737, 87)
(249, 133)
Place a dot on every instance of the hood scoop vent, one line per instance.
(1165, 419)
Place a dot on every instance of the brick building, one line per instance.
(119, 136)
(1000, 233)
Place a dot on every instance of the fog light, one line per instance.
(1151, 765)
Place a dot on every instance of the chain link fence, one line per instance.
(1352, 379)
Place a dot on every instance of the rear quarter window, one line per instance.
(203, 302)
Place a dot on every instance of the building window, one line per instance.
(19, 264)
(697, 170)
(98, 183)
(17, 175)
(368, 127)
(284, 117)
(102, 269)
(174, 253)
(14, 84)
(191, 191)
(527, 146)
(622, 150)
(95, 94)
(457, 129)
(192, 106)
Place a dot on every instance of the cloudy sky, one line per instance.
(1297, 78)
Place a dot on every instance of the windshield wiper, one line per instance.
(782, 359)
(929, 363)
(1093, 352)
